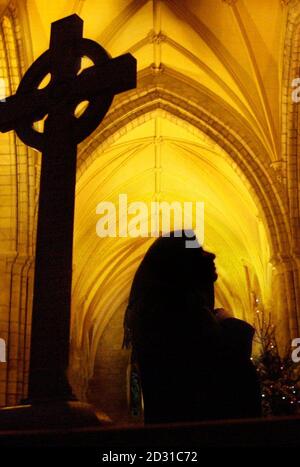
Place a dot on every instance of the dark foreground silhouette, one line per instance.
(194, 361)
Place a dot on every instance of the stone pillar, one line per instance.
(15, 306)
(285, 292)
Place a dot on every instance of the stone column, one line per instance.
(285, 291)
(15, 310)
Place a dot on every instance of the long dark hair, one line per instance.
(170, 269)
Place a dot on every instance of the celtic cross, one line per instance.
(58, 144)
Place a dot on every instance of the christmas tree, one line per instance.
(279, 375)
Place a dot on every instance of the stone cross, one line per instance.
(58, 144)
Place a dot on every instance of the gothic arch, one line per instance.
(290, 165)
(189, 104)
(17, 213)
(186, 101)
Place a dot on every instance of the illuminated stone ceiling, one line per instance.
(227, 58)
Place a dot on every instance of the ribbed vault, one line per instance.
(163, 157)
(202, 125)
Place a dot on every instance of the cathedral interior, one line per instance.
(212, 119)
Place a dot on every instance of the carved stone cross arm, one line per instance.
(93, 81)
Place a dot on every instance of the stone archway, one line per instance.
(187, 103)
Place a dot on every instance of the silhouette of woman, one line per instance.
(194, 361)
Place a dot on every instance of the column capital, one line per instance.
(230, 2)
(285, 262)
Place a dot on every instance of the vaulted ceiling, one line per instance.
(232, 51)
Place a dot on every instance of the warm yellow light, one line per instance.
(175, 165)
